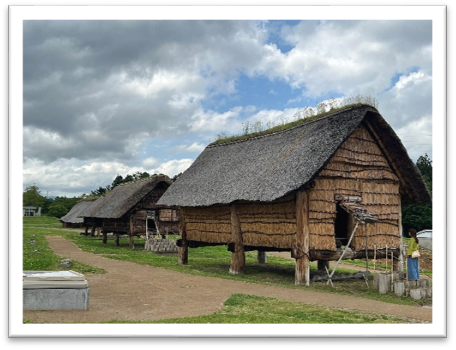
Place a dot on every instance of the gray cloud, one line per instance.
(97, 92)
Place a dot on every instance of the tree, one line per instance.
(32, 197)
(117, 181)
(176, 176)
(57, 210)
(138, 175)
(419, 216)
(424, 164)
(99, 192)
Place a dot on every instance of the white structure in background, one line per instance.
(425, 238)
(31, 211)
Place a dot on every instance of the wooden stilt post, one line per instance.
(132, 233)
(323, 265)
(86, 232)
(182, 251)
(302, 272)
(105, 237)
(117, 239)
(261, 257)
(366, 278)
(92, 232)
(238, 256)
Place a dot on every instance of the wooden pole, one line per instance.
(261, 257)
(323, 265)
(92, 232)
(105, 237)
(367, 258)
(367, 242)
(182, 250)
(343, 253)
(302, 272)
(117, 239)
(132, 233)
(375, 256)
(238, 256)
(386, 259)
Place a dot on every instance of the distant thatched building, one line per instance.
(73, 218)
(130, 208)
(303, 190)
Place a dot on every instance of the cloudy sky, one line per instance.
(102, 98)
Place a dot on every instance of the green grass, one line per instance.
(249, 309)
(212, 262)
(353, 102)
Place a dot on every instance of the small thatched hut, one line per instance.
(327, 183)
(73, 218)
(130, 208)
(88, 221)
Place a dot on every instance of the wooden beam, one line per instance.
(238, 256)
(105, 237)
(182, 250)
(351, 254)
(117, 239)
(302, 272)
(196, 244)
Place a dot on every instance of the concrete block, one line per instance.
(399, 288)
(416, 293)
(414, 284)
(384, 283)
(425, 283)
(428, 292)
(56, 299)
(55, 290)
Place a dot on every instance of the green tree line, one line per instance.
(417, 216)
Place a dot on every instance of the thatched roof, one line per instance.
(74, 215)
(268, 167)
(125, 197)
(92, 207)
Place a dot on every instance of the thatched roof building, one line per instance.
(73, 218)
(314, 180)
(130, 208)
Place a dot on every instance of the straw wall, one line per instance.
(270, 224)
(358, 168)
(208, 224)
(168, 215)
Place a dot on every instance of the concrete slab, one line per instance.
(55, 290)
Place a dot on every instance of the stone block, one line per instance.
(399, 288)
(417, 293)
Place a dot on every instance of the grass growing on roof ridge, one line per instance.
(286, 126)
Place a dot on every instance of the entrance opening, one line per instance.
(151, 227)
(341, 226)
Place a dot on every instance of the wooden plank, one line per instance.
(302, 272)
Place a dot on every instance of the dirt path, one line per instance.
(133, 292)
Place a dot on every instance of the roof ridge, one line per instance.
(314, 119)
(139, 180)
